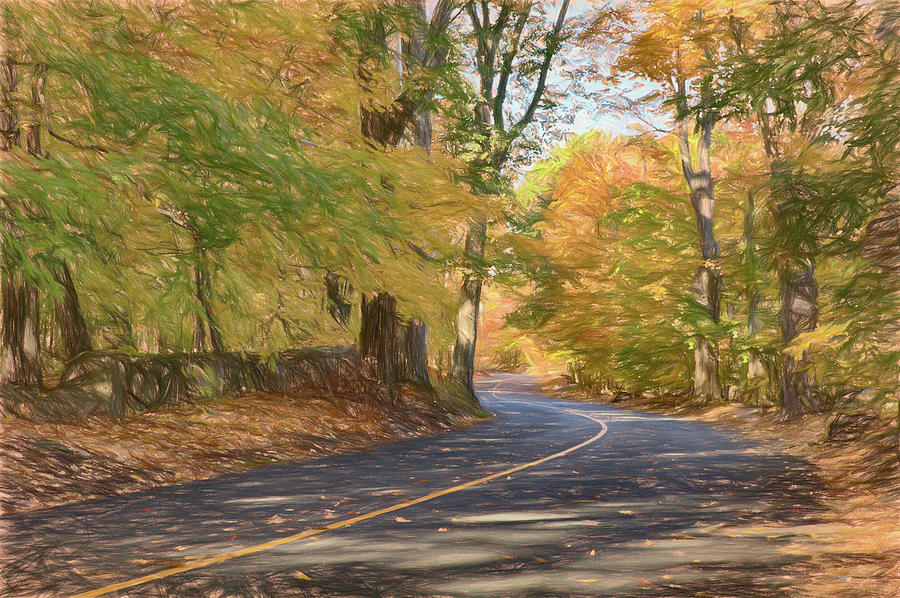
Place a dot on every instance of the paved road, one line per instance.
(655, 507)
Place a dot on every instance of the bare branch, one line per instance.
(506, 66)
(552, 45)
(95, 148)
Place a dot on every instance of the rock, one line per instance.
(118, 383)
(733, 394)
(620, 396)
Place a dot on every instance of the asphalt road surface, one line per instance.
(629, 504)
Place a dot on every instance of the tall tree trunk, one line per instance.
(397, 351)
(206, 319)
(798, 292)
(799, 313)
(9, 118)
(707, 280)
(706, 288)
(415, 346)
(33, 127)
(378, 338)
(69, 318)
(495, 68)
(417, 48)
(21, 358)
(462, 368)
(758, 381)
(20, 346)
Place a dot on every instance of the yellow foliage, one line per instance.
(670, 39)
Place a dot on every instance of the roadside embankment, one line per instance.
(185, 419)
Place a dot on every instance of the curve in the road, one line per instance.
(226, 556)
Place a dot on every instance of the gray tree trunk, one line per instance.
(706, 288)
(415, 346)
(462, 364)
(495, 68)
(758, 381)
(462, 367)
(206, 319)
(422, 115)
(799, 313)
(707, 280)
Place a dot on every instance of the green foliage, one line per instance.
(223, 136)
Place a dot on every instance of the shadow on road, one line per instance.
(658, 507)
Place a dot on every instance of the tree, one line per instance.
(194, 167)
(608, 261)
(675, 45)
(500, 35)
(20, 334)
(787, 81)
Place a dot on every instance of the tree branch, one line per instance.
(506, 66)
(441, 18)
(681, 130)
(95, 148)
(552, 45)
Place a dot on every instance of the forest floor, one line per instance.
(861, 486)
(47, 464)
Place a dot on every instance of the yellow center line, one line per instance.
(225, 556)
